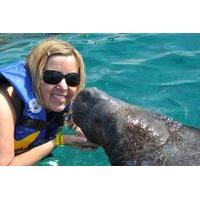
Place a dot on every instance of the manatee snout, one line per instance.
(86, 98)
(85, 113)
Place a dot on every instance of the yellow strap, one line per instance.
(25, 142)
(60, 139)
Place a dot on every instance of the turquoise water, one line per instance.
(160, 72)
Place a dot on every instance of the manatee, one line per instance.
(131, 135)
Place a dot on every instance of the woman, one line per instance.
(35, 100)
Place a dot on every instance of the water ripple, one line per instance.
(164, 55)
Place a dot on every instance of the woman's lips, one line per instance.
(60, 97)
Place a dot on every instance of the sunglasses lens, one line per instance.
(72, 79)
(52, 77)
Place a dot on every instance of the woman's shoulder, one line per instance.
(6, 89)
(9, 98)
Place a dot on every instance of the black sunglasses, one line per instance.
(54, 77)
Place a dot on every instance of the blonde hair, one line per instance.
(38, 58)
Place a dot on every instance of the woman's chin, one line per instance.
(57, 108)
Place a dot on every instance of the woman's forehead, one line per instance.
(62, 62)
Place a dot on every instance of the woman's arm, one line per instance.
(34, 155)
(79, 141)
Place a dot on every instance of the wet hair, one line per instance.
(37, 60)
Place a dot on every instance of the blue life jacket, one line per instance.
(32, 128)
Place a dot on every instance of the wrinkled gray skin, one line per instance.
(133, 136)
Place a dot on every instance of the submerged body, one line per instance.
(133, 136)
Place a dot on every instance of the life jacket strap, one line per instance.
(33, 123)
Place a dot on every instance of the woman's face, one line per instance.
(55, 96)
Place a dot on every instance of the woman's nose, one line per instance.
(62, 84)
